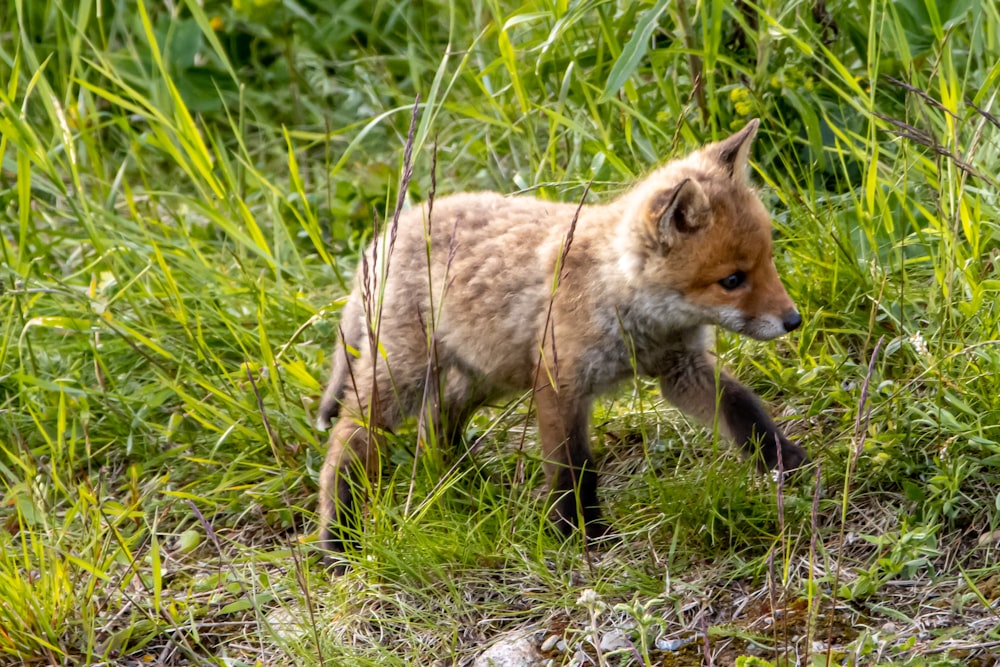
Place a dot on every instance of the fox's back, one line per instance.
(477, 270)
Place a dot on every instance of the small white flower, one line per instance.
(588, 598)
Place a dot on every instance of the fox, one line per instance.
(473, 297)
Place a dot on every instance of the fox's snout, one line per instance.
(770, 311)
(767, 325)
(764, 327)
(791, 320)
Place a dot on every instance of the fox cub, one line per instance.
(478, 296)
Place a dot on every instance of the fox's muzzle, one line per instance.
(791, 320)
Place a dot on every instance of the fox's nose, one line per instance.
(791, 320)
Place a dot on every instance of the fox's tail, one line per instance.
(349, 341)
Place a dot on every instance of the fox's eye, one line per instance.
(733, 281)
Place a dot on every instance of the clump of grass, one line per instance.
(183, 194)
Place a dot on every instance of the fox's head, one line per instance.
(705, 240)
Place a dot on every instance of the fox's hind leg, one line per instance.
(569, 465)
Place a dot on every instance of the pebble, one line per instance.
(518, 651)
(287, 623)
(551, 642)
(671, 644)
(989, 538)
(614, 640)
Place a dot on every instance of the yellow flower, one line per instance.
(742, 100)
(216, 23)
(256, 9)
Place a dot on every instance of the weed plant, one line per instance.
(184, 191)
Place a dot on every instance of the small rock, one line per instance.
(580, 658)
(989, 538)
(510, 652)
(287, 623)
(671, 644)
(614, 640)
(551, 643)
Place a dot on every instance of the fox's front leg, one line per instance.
(341, 487)
(569, 466)
(690, 383)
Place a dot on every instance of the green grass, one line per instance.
(183, 196)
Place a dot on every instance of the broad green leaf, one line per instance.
(634, 51)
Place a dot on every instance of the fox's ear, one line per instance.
(733, 154)
(679, 210)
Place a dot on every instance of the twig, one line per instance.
(272, 437)
(432, 381)
(706, 647)
(370, 288)
(814, 526)
(922, 94)
(567, 243)
(860, 435)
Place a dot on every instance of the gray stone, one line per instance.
(551, 643)
(671, 644)
(614, 640)
(512, 651)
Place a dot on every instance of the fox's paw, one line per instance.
(600, 534)
(335, 564)
(332, 547)
(793, 456)
(595, 530)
